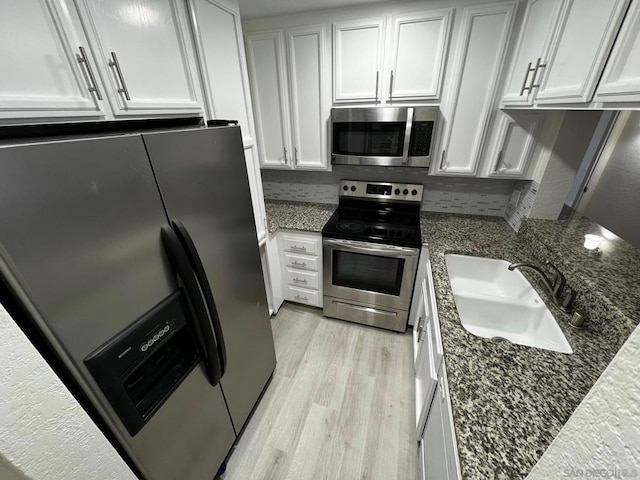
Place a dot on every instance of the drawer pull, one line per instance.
(298, 297)
(300, 280)
(300, 249)
(299, 264)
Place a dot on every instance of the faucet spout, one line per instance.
(543, 276)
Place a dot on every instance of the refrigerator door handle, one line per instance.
(201, 276)
(180, 262)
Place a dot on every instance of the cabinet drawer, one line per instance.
(304, 262)
(303, 295)
(301, 278)
(295, 244)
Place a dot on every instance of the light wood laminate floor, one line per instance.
(340, 405)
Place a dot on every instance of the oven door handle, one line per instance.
(386, 250)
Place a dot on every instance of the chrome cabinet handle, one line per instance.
(303, 264)
(301, 249)
(300, 280)
(113, 62)
(495, 169)
(306, 299)
(421, 329)
(391, 86)
(93, 87)
(444, 154)
(538, 66)
(377, 83)
(524, 83)
(286, 160)
(295, 155)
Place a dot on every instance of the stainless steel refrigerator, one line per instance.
(135, 257)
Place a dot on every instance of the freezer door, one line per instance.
(80, 246)
(203, 182)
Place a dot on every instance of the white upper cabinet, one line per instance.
(222, 60)
(265, 56)
(586, 32)
(308, 114)
(289, 96)
(47, 68)
(417, 55)
(357, 60)
(515, 140)
(531, 51)
(562, 50)
(484, 34)
(142, 49)
(620, 81)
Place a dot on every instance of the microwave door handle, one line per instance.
(180, 264)
(201, 276)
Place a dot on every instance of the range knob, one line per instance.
(405, 192)
(397, 191)
(353, 188)
(414, 192)
(345, 188)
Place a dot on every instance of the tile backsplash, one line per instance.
(441, 194)
(515, 213)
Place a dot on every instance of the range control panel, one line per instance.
(382, 190)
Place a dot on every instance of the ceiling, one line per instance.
(269, 8)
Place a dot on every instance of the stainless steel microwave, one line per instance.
(383, 136)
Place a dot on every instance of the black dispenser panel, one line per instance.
(140, 367)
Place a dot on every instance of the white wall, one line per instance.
(44, 433)
(604, 431)
(613, 195)
(570, 147)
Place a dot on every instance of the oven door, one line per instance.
(369, 273)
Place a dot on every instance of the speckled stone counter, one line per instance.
(303, 216)
(510, 401)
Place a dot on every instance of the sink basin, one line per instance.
(494, 302)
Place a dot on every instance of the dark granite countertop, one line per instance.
(509, 401)
(302, 216)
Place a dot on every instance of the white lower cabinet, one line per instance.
(434, 422)
(439, 456)
(301, 267)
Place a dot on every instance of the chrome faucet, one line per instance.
(556, 289)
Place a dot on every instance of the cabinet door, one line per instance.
(535, 37)
(257, 196)
(418, 55)
(435, 464)
(620, 81)
(357, 60)
(585, 34)
(143, 54)
(308, 111)
(426, 373)
(516, 138)
(222, 61)
(42, 75)
(479, 58)
(265, 56)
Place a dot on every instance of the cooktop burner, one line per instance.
(351, 226)
(366, 215)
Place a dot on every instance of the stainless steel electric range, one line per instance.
(370, 247)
